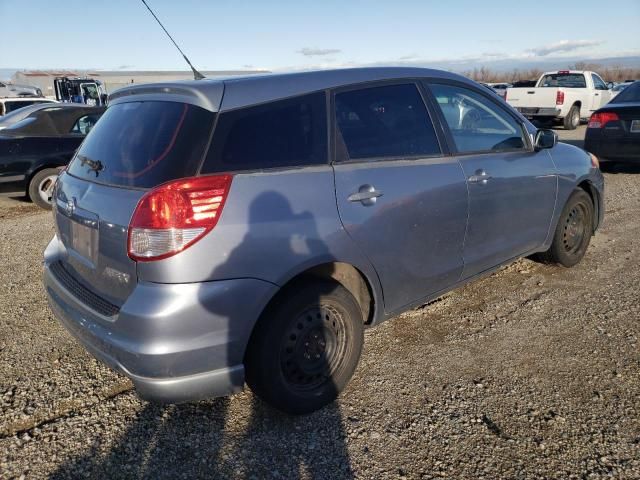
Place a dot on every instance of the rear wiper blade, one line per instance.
(95, 165)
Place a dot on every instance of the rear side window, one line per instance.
(286, 133)
(85, 124)
(143, 144)
(629, 94)
(476, 123)
(389, 121)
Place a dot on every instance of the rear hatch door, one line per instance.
(135, 146)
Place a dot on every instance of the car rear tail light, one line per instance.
(175, 215)
(600, 119)
(559, 97)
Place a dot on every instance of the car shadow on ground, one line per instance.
(223, 437)
(190, 441)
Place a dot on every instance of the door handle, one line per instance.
(481, 177)
(366, 194)
(597, 94)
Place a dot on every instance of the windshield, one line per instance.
(567, 80)
(630, 94)
(144, 144)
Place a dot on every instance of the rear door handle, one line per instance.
(480, 177)
(366, 194)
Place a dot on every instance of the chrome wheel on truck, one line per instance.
(572, 120)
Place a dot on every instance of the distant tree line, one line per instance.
(613, 73)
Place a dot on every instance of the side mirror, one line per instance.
(545, 139)
(610, 85)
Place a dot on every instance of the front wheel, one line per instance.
(573, 233)
(41, 186)
(305, 347)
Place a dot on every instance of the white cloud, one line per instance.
(318, 52)
(563, 46)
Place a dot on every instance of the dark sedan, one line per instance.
(613, 133)
(37, 141)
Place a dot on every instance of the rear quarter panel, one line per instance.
(274, 225)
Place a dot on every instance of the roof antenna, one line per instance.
(196, 74)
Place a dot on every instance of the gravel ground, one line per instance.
(532, 372)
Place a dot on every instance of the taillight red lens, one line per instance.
(600, 119)
(559, 97)
(175, 215)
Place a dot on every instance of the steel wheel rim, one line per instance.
(313, 348)
(574, 230)
(45, 188)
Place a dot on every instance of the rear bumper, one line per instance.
(533, 112)
(178, 342)
(617, 148)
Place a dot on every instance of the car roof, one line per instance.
(26, 99)
(235, 92)
(61, 112)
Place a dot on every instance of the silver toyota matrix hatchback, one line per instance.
(214, 232)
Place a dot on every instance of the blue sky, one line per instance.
(120, 34)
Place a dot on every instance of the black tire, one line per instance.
(572, 120)
(305, 347)
(41, 187)
(573, 233)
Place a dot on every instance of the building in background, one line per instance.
(114, 79)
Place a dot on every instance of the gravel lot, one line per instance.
(530, 373)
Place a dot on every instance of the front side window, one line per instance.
(388, 121)
(598, 83)
(285, 133)
(476, 123)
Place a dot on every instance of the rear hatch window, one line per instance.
(566, 80)
(144, 144)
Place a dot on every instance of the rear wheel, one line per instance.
(573, 233)
(572, 120)
(306, 347)
(41, 187)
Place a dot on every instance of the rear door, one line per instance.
(135, 146)
(399, 198)
(512, 188)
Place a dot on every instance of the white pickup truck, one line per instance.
(564, 96)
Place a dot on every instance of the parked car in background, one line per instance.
(500, 88)
(565, 96)
(37, 141)
(613, 133)
(491, 89)
(321, 203)
(8, 89)
(617, 88)
(8, 105)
